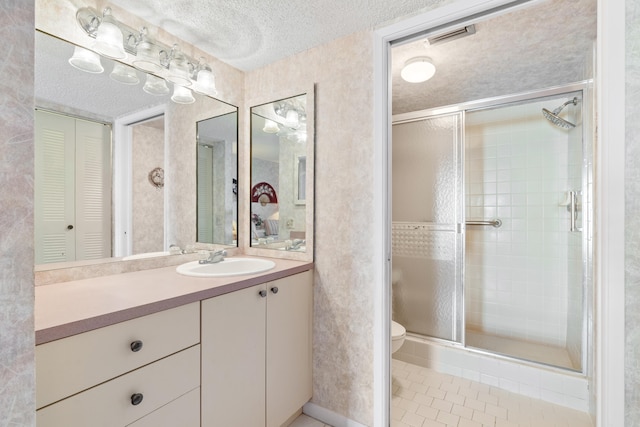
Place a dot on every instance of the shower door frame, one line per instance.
(585, 87)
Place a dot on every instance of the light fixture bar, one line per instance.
(172, 64)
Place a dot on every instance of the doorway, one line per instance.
(610, 393)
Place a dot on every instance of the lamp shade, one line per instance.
(124, 74)
(418, 70)
(182, 95)
(292, 119)
(179, 70)
(85, 60)
(148, 57)
(270, 126)
(205, 83)
(109, 38)
(155, 86)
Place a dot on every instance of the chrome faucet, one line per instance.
(214, 257)
(296, 244)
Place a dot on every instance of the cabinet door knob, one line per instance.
(69, 227)
(274, 289)
(136, 398)
(136, 346)
(262, 293)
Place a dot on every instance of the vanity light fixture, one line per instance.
(147, 55)
(290, 114)
(178, 67)
(270, 126)
(292, 119)
(124, 74)
(115, 39)
(418, 70)
(182, 95)
(155, 86)
(109, 39)
(86, 60)
(205, 80)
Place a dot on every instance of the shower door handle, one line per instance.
(573, 208)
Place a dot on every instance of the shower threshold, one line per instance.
(520, 349)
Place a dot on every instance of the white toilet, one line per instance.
(398, 333)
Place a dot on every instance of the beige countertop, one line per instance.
(69, 308)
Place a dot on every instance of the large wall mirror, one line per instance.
(282, 145)
(117, 152)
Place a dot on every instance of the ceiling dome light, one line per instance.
(418, 70)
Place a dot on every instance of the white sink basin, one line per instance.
(228, 267)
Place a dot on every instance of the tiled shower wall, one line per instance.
(517, 169)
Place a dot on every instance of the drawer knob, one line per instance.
(274, 289)
(136, 346)
(136, 398)
(262, 293)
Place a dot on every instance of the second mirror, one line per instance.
(280, 141)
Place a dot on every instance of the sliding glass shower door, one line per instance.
(491, 223)
(426, 233)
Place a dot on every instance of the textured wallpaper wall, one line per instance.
(343, 306)
(632, 219)
(17, 375)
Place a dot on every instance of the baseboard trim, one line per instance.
(328, 417)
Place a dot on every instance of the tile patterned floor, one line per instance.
(423, 397)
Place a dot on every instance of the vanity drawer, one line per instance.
(111, 404)
(76, 363)
(183, 412)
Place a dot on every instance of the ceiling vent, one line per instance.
(452, 35)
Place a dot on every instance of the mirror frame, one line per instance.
(308, 255)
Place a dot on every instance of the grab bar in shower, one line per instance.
(494, 222)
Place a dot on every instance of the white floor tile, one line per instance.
(448, 400)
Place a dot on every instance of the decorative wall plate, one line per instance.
(156, 177)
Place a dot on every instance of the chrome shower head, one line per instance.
(554, 118)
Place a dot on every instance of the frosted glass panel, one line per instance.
(424, 170)
(426, 246)
(424, 280)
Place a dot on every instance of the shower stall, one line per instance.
(491, 231)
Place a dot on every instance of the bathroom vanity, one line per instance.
(146, 348)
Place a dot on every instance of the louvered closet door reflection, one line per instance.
(72, 189)
(55, 138)
(427, 211)
(93, 191)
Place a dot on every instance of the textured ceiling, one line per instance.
(545, 45)
(250, 34)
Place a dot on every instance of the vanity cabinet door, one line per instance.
(289, 346)
(233, 359)
(256, 353)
